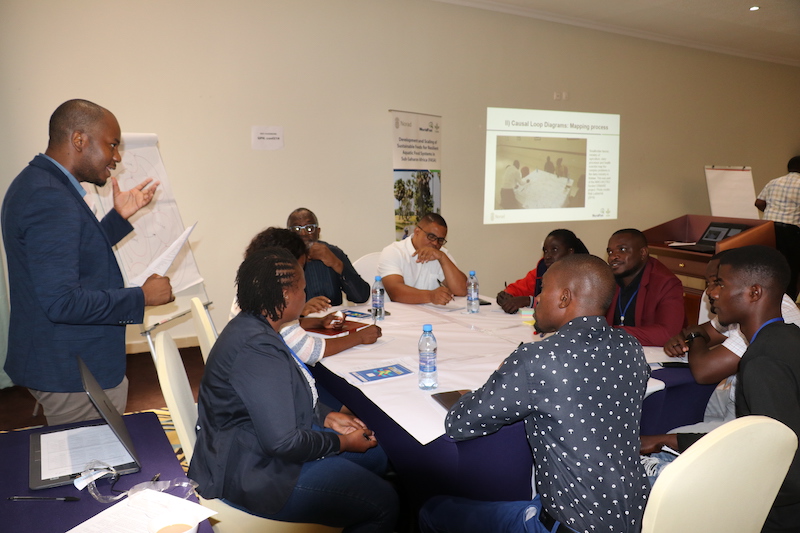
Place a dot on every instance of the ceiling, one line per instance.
(771, 33)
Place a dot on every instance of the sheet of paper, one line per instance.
(161, 264)
(731, 192)
(133, 514)
(655, 354)
(450, 306)
(67, 452)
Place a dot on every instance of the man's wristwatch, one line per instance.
(692, 336)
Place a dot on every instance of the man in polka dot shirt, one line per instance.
(580, 394)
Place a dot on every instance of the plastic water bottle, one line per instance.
(427, 359)
(473, 300)
(377, 299)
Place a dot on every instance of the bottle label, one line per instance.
(427, 362)
(377, 298)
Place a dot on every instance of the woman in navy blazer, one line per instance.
(265, 444)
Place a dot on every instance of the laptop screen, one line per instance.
(716, 232)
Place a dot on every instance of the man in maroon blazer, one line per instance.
(648, 302)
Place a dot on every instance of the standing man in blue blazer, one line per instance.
(67, 294)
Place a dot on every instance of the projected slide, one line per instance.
(550, 166)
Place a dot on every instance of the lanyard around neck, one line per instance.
(312, 383)
(768, 322)
(623, 312)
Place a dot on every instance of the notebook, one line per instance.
(57, 457)
(715, 232)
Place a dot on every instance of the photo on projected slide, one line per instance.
(550, 166)
(540, 173)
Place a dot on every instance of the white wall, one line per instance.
(201, 73)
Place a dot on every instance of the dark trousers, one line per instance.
(508, 199)
(787, 241)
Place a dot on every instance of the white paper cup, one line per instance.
(173, 523)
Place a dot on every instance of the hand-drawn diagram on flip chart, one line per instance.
(156, 226)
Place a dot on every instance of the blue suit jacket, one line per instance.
(67, 293)
(322, 280)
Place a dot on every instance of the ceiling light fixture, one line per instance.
(754, 8)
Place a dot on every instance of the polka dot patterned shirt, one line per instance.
(580, 393)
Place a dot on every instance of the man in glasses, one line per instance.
(419, 269)
(328, 270)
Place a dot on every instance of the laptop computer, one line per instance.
(58, 457)
(715, 232)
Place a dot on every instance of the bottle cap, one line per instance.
(377, 278)
(471, 272)
(427, 327)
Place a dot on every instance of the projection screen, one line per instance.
(550, 166)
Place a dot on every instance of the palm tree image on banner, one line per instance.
(416, 162)
(416, 193)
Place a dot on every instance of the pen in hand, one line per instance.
(441, 284)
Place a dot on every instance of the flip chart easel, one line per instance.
(731, 192)
(156, 226)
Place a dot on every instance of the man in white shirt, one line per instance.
(512, 176)
(780, 202)
(419, 269)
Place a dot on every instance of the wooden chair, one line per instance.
(726, 482)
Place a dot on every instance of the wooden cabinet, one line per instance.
(690, 266)
(682, 264)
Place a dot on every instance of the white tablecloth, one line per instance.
(469, 348)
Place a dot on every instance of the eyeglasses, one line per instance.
(433, 238)
(308, 228)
